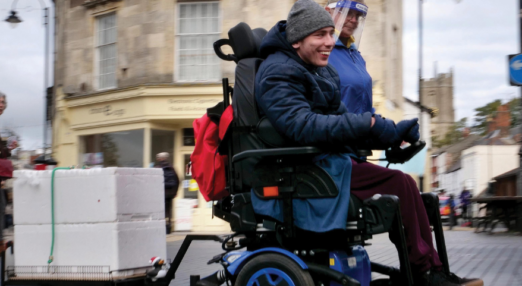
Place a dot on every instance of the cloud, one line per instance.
(22, 71)
(473, 37)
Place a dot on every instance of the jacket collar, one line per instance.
(352, 46)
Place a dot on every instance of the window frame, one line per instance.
(82, 146)
(97, 66)
(178, 41)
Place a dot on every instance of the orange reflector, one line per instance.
(271, 191)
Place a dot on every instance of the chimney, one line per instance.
(503, 120)
(466, 132)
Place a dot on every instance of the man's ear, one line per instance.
(296, 45)
(327, 9)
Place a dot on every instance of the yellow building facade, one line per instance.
(132, 75)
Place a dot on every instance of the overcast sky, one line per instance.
(22, 71)
(474, 37)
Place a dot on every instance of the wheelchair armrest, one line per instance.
(275, 152)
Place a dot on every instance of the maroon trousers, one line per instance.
(369, 179)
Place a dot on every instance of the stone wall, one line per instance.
(146, 41)
(437, 93)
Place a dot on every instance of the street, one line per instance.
(497, 259)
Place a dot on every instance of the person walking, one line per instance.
(465, 202)
(171, 182)
(452, 216)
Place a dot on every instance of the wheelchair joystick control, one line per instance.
(376, 197)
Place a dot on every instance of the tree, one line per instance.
(483, 114)
(455, 134)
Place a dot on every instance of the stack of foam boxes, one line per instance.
(112, 218)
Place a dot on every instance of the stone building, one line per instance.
(437, 94)
(132, 75)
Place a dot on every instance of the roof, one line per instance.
(423, 107)
(495, 141)
(456, 166)
(459, 146)
(463, 144)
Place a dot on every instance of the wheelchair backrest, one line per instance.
(245, 43)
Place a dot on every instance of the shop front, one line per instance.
(128, 127)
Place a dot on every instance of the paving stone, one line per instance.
(495, 258)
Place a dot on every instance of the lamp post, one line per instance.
(14, 20)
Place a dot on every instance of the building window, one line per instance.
(117, 149)
(161, 141)
(199, 26)
(106, 36)
(188, 137)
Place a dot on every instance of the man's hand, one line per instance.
(385, 131)
(409, 130)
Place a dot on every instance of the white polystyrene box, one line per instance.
(89, 196)
(118, 246)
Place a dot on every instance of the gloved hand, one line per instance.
(385, 131)
(408, 130)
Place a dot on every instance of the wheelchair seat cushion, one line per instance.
(318, 214)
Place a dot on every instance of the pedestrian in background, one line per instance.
(171, 182)
(452, 217)
(465, 201)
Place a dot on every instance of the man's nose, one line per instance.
(330, 41)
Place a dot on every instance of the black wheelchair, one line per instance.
(276, 252)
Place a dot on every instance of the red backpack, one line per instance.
(208, 166)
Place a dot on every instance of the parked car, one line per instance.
(444, 208)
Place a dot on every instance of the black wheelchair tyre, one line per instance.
(298, 276)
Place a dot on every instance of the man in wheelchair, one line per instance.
(298, 92)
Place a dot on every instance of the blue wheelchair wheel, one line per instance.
(270, 276)
(270, 269)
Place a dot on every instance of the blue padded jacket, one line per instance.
(303, 103)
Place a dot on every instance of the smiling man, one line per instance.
(299, 94)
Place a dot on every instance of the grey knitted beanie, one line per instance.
(304, 18)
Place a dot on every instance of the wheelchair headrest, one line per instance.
(244, 41)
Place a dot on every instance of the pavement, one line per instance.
(497, 258)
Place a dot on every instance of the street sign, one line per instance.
(515, 69)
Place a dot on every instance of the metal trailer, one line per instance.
(91, 275)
